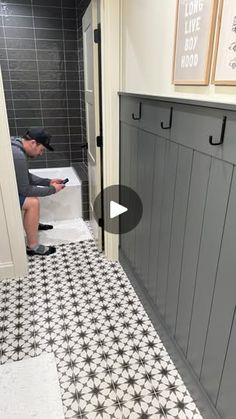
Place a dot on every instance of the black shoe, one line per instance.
(49, 250)
(45, 227)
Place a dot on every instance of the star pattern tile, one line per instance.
(111, 362)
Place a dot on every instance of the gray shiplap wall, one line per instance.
(183, 250)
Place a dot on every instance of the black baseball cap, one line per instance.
(41, 136)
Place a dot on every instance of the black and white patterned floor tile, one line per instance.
(111, 363)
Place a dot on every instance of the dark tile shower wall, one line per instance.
(81, 168)
(42, 65)
(81, 7)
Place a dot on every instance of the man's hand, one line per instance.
(58, 186)
(58, 181)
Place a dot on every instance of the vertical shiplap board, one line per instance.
(216, 204)
(183, 177)
(124, 149)
(158, 181)
(145, 164)
(129, 140)
(131, 162)
(223, 303)
(196, 205)
(138, 228)
(171, 157)
(226, 399)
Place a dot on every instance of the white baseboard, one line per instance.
(7, 270)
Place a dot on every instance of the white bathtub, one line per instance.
(63, 205)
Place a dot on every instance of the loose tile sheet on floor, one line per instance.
(30, 389)
(66, 231)
(111, 363)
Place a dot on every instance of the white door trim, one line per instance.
(110, 38)
(18, 265)
(91, 82)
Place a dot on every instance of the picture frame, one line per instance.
(193, 46)
(224, 70)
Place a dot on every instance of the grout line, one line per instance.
(33, 70)
(33, 60)
(38, 49)
(46, 28)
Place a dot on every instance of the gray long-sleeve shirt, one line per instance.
(27, 183)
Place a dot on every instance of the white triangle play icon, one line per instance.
(116, 209)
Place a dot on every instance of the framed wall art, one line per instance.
(194, 34)
(225, 56)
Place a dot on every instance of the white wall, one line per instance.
(13, 261)
(147, 44)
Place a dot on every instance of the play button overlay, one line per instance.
(116, 209)
(122, 209)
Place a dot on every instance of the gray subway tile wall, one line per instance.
(81, 168)
(41, 56)
(81, 7)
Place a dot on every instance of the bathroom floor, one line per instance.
(110, 361)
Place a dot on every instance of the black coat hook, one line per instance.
(222, 134)
(136, 118)
(170, 120)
